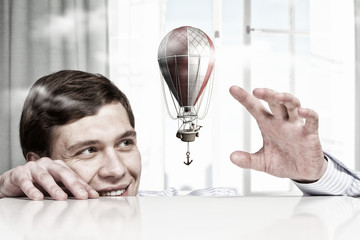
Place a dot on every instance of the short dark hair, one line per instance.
(59, 98)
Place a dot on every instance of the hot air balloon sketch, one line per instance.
(186, 58)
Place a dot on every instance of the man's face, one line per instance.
(102, 150)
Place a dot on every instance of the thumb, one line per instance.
(241, 159)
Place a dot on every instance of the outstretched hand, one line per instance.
(291, 144)
(44, 177)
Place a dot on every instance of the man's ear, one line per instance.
(31, 156)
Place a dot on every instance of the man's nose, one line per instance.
(112, 164)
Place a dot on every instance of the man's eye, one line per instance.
(88, 150)
(126, 143)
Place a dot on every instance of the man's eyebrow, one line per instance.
(130, 133)
(82, 144)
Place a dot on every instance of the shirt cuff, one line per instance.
(335, 181)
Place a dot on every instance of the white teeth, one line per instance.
(113, 193)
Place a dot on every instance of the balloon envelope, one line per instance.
(186, 60)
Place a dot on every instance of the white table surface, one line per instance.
(182, 218)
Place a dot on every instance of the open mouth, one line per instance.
(114, 193)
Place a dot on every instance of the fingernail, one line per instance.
(82, 192)
(94, 193)
(59, 194)
(37, 196)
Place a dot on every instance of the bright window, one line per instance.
(299, 46)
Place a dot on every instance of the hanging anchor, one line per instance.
(188, 161)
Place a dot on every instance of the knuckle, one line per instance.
(43, 176)
(44, 160)
(17, 170)
(297, 103)
(29, 189)
(77, 184)
(53, 189)
(316, 116)
(292, 100)
(22, 181)
(30, 164)
(313, 115)
(64, 170)
(17, 174)
(60, 162)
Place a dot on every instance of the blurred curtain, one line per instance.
(38, 37)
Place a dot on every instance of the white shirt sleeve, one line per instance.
(337, 180)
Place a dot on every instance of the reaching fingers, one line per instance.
(251, 103)
(282, 105)
(291, 103)
(278, 109)
(311, 119)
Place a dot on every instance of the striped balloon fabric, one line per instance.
(186, 59)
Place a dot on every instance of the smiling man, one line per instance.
(102, 150)
(77, 135)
